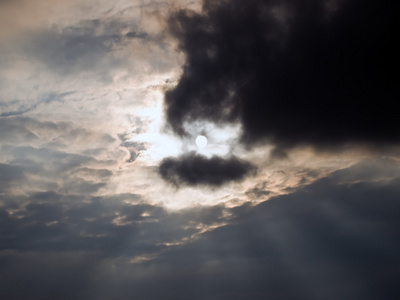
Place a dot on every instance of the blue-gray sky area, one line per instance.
(293, 192)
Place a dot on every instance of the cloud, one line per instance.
(56, 54)
(75, 50)
(112, 226)
(290, 73)
(9, 176)
(79, 222)
(327, 240)
(193, 169)
(58, 156)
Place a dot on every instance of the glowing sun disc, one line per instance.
(201, 141)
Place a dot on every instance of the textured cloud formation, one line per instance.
(328, 240)
(320, 73)
(195, 169)
(85, 215)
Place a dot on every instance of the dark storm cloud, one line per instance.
(193, 169)
(320, 73)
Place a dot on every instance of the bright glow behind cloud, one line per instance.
(91, 81)
(85, 212)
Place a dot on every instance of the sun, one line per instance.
(201, 141)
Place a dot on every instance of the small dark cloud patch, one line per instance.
(258, 192)
(193, 169)
(291, 73)
(134, 148)
(136, 35)
(9, 176)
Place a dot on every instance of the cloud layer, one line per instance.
(84, 210)
(327, 240)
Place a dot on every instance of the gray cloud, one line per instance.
(53, 155)
(326, 240)
(10, 175)
(21, 130)
(134, 149)
(74, 50)
(45, 99)
(50, 221)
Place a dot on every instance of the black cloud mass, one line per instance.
(317, 73)
(192, 169)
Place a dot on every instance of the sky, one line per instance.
(104, 193)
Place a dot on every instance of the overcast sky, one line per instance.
(104, 193)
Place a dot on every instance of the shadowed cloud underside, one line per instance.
(193, 169)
